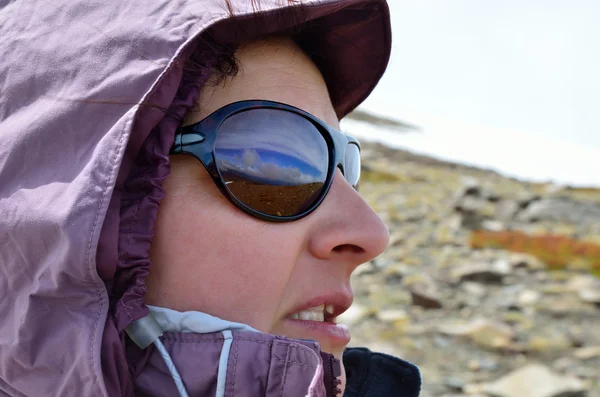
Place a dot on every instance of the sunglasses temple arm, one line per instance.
(182, 140)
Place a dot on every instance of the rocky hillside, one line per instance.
(489, 284)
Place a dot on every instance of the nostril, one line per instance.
(350, 248)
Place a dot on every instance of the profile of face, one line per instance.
(208, 255)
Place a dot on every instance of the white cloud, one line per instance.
(251, 164)
(277, 131)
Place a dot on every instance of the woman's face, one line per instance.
(209, 256)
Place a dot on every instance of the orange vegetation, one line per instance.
(556, 251)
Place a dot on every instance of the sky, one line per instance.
(532, 65)
(517, 67)
(548, 161)
(252, 143)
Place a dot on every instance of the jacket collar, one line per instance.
(377, 375)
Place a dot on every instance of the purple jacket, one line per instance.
(91, 93)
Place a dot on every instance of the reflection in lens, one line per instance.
(352, 164)
(272, 160)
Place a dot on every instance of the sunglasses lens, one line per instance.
(352, 164)
(272, 160)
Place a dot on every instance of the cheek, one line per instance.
(212, 257)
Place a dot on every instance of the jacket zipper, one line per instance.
(331, 375)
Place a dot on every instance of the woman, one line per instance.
(140, 258)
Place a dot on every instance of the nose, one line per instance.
(346, 228)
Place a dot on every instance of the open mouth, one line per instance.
(316, 319)
(322, 313)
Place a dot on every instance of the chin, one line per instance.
(337, 351)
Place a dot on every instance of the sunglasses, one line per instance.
(272, 160)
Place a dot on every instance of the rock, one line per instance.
(395, 253)
(529, 297)
(391, 315)
(579, 335)
(445, 235)
(555, 289)
(425, 297)
(354, 315)
(531, 313)
(416, 279)
(482, 365)
(417, 329)
(380, 298)
(586, 353)
(580, 282)
(396, 238)
(502, 266)
(454, 221)
(378, 264)
(550, 342)
(587, 288)
(506, 210)
(530, 262)
(470, 187)
(536, 380)
(584, 372)
(442, 341)
(482, 272)
(541, 277)
(526, 199)
(516, 317)
(563, 364)
(484, 332)
(590, 296)
(475, 205)
(561, 209)
(570, 306)
(473, 288)
(561, 275)
(474, 212)
(396, 272)
(453, 383)
(423, 291)
(367, 268)
(399, 318)
(492, 225)
(474, 389)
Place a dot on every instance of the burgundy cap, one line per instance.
(349, 40)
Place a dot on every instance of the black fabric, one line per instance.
(377, 375)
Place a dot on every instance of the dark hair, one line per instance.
(211, 48)
(213, 58)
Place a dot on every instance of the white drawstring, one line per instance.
(149, 329)
(171, 366)
(223, 361)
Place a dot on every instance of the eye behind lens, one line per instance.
(272, 161)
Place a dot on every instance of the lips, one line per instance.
(315, 319)
(331, 305)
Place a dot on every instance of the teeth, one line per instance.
(304, 315)
(329, 309)
(311, 314)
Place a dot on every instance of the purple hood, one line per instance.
(91, 93)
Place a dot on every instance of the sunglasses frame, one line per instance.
(198, 140)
